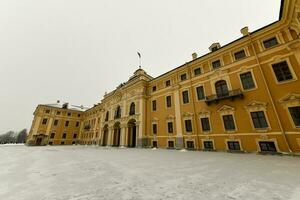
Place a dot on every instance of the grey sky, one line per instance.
(75, 50)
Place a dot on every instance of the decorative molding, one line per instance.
(256, 106)
(292, 99)
(226, 109)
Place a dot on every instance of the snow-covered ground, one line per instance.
(80, 172)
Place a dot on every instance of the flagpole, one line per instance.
(140, 60)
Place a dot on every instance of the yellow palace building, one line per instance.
(244, 96)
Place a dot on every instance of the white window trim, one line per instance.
(234, 121)
(168, 144)
(213, 60)
(156, 128)
(205, 114)
(267, 38)
(234, 140)
(253, 77)
(208, 140)
(189, 98)
(201, 69)
(166, 105)
(267, 140)
(195, 89)
(238, 50)
(188, 140)
(290, 68)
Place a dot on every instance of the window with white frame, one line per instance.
(282, 71)
(247, 81)
(295, 114)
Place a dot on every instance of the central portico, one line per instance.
(123, 114)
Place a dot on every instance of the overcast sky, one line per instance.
(75, 50)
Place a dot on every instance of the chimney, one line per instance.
(57, 101)
(245, 31)
(65, 105)
(194, 55)
(214, 47)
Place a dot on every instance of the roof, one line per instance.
(70, 107)
(280, 17)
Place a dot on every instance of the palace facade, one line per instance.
(244, 96)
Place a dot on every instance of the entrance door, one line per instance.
(116, 137)
(38, 141)
(132, 136)
(104, 142)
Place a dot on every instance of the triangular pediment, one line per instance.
(290, 97)
(226, 108)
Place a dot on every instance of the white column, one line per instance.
(36, 125)
(122, 136)
(110, 135)
(177, 113)
(49, 126)
(179, 137)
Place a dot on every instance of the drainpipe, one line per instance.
(194, 106)
(268, 90)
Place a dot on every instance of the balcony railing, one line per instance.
(232, 94)
(87, 127)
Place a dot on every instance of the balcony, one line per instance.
(232, 94)
(87, 127)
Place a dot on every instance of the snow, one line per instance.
(89, 172)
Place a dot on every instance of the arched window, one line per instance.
(221, 88)
(118, 113)
(132, 109)
(107, 116)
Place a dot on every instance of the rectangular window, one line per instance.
(239, 55)
(190, 145)
(69, 114)
(154, 144)
(295, 113)
(77, 124)
(74, 136)
(47, 111)
(52, 135)
(185, 97)
(200, 93)
(234, 146)
(55, 123)
(183, 77)
(205, 124)
(171, 144)
(216, 64)
(62, 143)
(228, 122)
(188, 125)
(197, 71)
(259, 119)
(270, 42)
(282, 71)
(58, 112)
(169, 102)
(44, 121)
(67, 123)
(267, 146)
(64, 136)
(153, 88)
(247, 81)
(170, 127)
(208, 145)
(154, 105)
(154, 128)
(50, 143)
(168, 83)
(78, 115)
